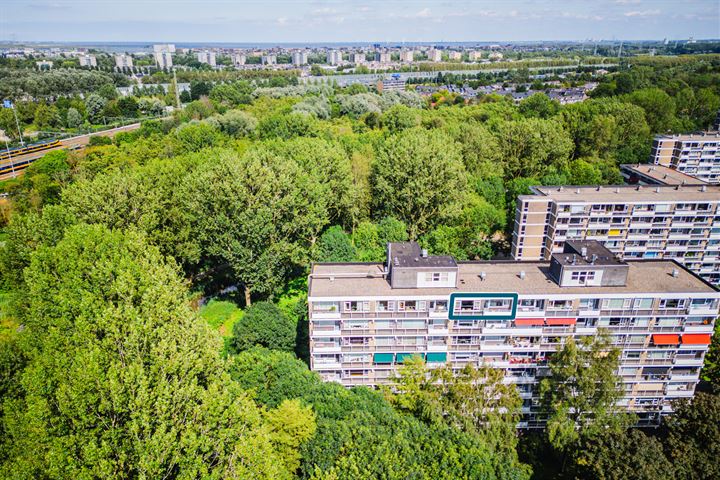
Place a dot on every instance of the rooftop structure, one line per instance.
(366, 318)
(650, 174)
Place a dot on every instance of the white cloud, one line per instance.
(424, 13)
(642, 13)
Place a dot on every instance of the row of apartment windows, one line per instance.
(524, 305)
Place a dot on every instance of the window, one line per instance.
(385, 306)
(582, 277)
(438, 305)
(672, 303)
(356, 306)
(436, 277)
(531, 305)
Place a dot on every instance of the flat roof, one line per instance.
(595, 254)
(367, 280)
(410, 255)
(662, 174)
(628, 193)
(709, 135)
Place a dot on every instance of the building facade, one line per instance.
(383, 57)
(207, 57)
(697, 155)
(365, 319)
(123, 60)
(268, 59)
(677, 222)
(334, 57)
(300, 58)
(358, 58)
(163, 60)
(434, 55)
(87, 60)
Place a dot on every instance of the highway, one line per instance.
(72, 143)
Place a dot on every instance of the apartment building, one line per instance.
(208, 58)
(383, 57)
(651, 174)
(123, 60)
(358, 58)
(334, 57)
(238, 59)
(407, 56)
(394, 82)
(453, 55)
(678, 222)
(697, 154)
(163, 59)
(268, 59)
(87, 60)
(434, 55)
(366, 318)
(475, 56)
(299, 58)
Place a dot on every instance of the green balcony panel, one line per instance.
(437, 357)
(382, 358)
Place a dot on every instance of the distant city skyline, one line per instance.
(356, 21)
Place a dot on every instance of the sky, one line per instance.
(281, 21)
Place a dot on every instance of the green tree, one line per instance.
(692, 434)
(622, 455)
(335, 245)
(95, 105)
(582, 391)
(398, 118)
(122, 379)
(538, 105)
(659, 108)
(263, 325)
(73, 118)
(419, 178)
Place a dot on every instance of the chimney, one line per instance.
(424, 253)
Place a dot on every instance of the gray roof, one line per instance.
(409, 254)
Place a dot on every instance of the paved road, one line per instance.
(71, 143)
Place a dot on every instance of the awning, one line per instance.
(529, 321)
(561, 321)
(696, 339)
(401, 357)
(666, 339)
(437, 357)
(382, 358)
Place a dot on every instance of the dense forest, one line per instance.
(112, 255)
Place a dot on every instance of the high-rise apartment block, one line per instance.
(367, 318)
(268, 59)
(358, 58)
(334, 57)
(300, 58)
(123, 60)
(407, 56)
(207, 58)
(474, 55)
(87, 60)
(696, 154)
(453, 55)
(678, 222)
(383, 57)
(238, 59)
(163, 60)
(164, 47)
(434, 55)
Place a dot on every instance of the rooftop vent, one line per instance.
(424, 253)
(703, 188)
(675, 272)
(597, 188)
(332, 278)
(637, 188)
(522, 275)
(593, 258)
(657, 189)
(577, 190)
(560, 188)
(583, 252)
(483, 275)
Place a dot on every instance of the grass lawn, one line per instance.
(221, 315)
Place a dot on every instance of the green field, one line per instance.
(221, 315)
